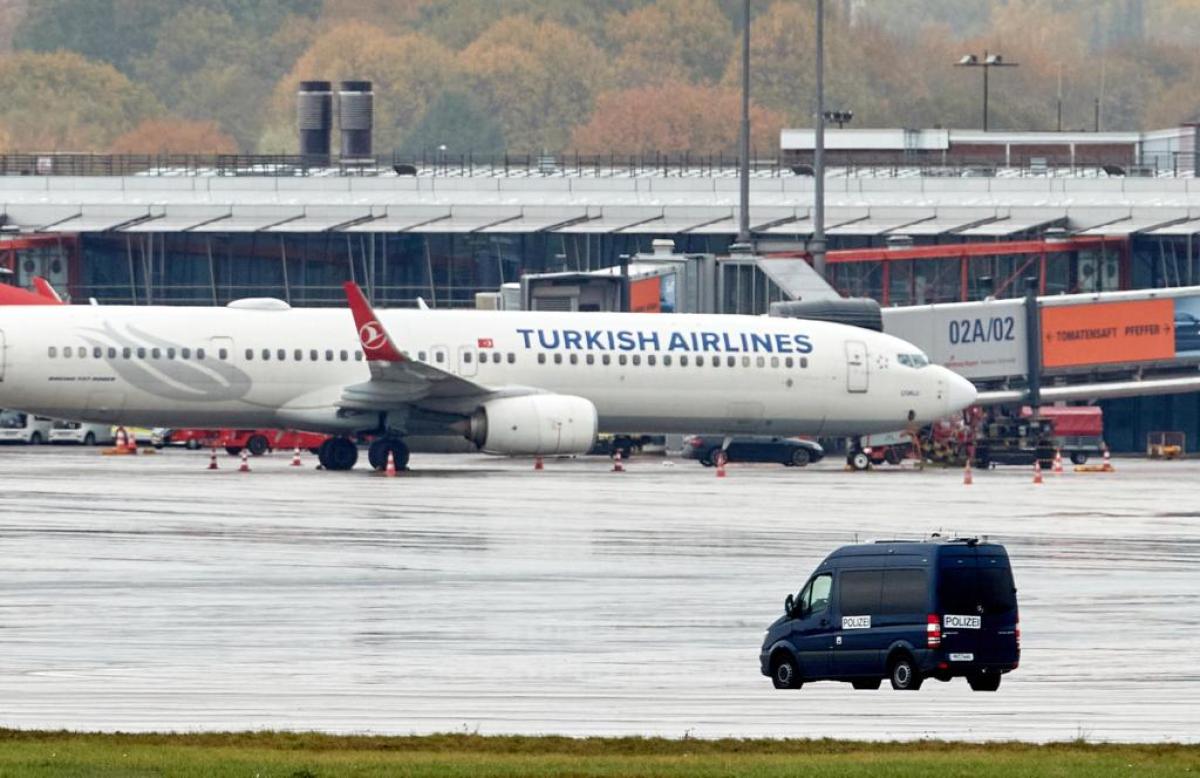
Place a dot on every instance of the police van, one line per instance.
(906, 611)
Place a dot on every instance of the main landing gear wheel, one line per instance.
(338, 454)
(377, 454)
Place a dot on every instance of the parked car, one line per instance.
(1187, 332)
(791, 452)
(20, 427)
(900, 610)
(81, 432)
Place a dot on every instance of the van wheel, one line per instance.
(904, 674)
(866, 684)
(1078, 458)
(984, 682)
(89, 439)
(785, 674)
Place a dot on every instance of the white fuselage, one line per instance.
(653, 373)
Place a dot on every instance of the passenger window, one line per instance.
(760, 361)
(637, 359)
(745, 361)
(699, 360)
(266, 354)
(126, 353)
(774, 361)
(97, 352)
(574, 359)
(858, 592)
(328, 355)
(185, 353)
(558, 359)
(716, 361)
(421, 356)
(222, 353)
(683, 360)
(141, 352)
(803, 361)
(818, 599)
(591, 359)
(358, 356)
(344, 355)
(622, 359)
(281, 354)
(112, 353)
(83, 352)
(512, 358)
(650, 360)
(298, 355)
(439, 357)
(903, 592)
(496, 357)
(787, 361)
(170, 353)
(666, 360)
(466, 357)
(606, 359)
(249, 355)
(314, 355)
(68, 351)
(52, 352)
(155, 353)
(200, 354)
(541, 359)
(731, 361)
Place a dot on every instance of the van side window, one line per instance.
(818, 593)
(903, 592)
(858, 593)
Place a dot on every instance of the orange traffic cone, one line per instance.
(1058, 470)
(212, 460)
(721, 465)
(1108, 465)
(968, 479)
(245, 466)
(617, 466)
(538, 464)
(296, 457)
(1037, 471)
(131, 443)
(390, 470)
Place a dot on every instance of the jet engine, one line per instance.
(534, 424)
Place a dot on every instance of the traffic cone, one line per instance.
(390, 470)
(245, 466)
(1037, 471)
(617, 466)
(1058, 470)
(1108, 465)
(538, 464)
(131, 443)
(721, 465)
(296, 457)
(968, 479)
(212, 460)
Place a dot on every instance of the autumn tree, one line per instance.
(64, 102)
(175, 136)
(675, 117)
(539, 79)
(457, 121)
(671, 40)
(407, 72)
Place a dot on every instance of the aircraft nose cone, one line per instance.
(960, 393)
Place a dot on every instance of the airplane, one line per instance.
(517, 383)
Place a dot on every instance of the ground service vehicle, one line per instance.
(255, 441)
(791, 452)
(1020, 439)
(19, 427)
(906, 611)
(81, 432)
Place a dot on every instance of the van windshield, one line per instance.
(968, 590)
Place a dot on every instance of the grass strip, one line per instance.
(314, 755)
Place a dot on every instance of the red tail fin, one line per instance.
(45, 290)
(376, 343)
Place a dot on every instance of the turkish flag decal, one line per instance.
(486, 343)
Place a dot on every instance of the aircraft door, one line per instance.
(857, 369)
(2, 353)
(466, 361)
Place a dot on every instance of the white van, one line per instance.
(19, 427)
(81, 432)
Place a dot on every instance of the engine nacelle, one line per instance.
(535, 424)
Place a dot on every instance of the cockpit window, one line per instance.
(912, 360)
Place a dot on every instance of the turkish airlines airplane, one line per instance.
(512, 382)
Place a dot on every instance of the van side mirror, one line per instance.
(789, 604)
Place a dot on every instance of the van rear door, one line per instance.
(978, 606)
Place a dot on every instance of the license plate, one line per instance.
(962, 657)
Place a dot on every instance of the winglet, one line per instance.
(45, 290)
(376, 342)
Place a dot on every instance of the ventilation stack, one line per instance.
(356, 117)
(314, 117)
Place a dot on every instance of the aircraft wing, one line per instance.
(396, 379)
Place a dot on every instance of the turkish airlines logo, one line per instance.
(372, 335)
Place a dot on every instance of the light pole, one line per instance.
(816, 245)
(988, 62)
(744, 135)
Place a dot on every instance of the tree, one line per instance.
(175, 136)
(538, 79)
(670, 40)
(675, 117)
(407, 72)
(64, 102)
(456, 121)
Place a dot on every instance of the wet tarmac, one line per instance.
(476, 594)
